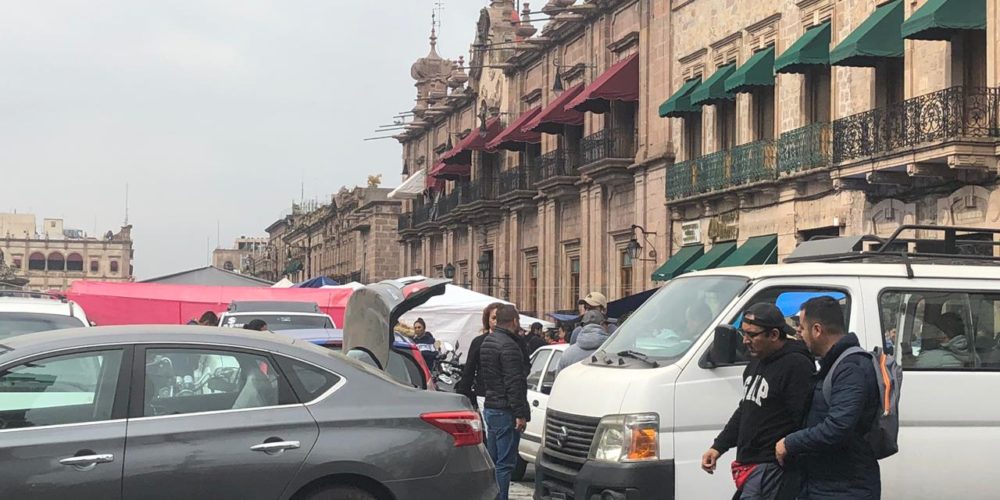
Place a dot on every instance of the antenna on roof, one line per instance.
(126, 204)
(436, 16)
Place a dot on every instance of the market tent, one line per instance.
(151, 303)
(284, 283)
(318, 282)
(354, 285)
(457, 316)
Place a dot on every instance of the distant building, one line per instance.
(53, 257)
(245, 257)
(208, 276)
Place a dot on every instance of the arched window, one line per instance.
(114, 267)
(74, 262)
(36, 262)
(228, 266)
(56, 262)
(95, 266)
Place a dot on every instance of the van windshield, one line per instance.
(666, 326)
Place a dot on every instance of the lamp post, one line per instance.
(485, 266)
(634, 248)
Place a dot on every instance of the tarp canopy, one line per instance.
(878, 38)
(154, 304)
(941, 19)
(554, 117)
(457, 316)
(619, 83)
(756, 251)
(712, 258)
(513, 138)
(284, 283)
(713, 89)
(317, 282)
(412, 187)
(809, 51)
(758, 71)
(475, 140)
(678, 263)
(625, 305)
(445, 171)
(679, 104)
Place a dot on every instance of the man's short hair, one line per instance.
(506, 314)
(951, 324)
(826, 311)
(209, 318)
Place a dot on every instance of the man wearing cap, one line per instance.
(592, 335)
(777, 384)
(593, 301)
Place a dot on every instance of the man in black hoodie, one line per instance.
(777, 385)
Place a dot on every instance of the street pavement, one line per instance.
(524, 489)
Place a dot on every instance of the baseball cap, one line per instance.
(767, 315)
(593, 317)
(596, 299)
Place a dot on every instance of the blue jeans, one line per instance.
(502, 440)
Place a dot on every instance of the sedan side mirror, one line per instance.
(724, 346)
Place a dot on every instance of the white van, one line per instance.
(633, 425)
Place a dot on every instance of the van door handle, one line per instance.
(276, 447)
(88, 460)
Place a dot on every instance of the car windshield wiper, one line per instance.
(640, 356)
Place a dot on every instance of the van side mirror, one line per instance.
(724, 346)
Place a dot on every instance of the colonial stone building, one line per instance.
(54, 257)
(351, 238)
(247, 256)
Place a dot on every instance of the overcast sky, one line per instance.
(213, 112)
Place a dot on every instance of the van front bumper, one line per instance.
(604, 480)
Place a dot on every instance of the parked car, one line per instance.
(279, 316)
(24, 312)
(167, 412)
(635, 422)
(541, 377)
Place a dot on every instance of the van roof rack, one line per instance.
(33, 295)
(956, 245)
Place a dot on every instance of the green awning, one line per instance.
(712, 258)
(293, 267)
(879, 37)
(812, 49)
(679, 104)
(713, 89)
(940, 19)
(758, 71)
(756, 251)
(676, 265)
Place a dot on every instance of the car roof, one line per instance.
(273, 305)
(34, 343)
(855, 269)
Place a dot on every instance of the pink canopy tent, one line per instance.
(149, 303)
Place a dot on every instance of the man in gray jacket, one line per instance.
(590, 338)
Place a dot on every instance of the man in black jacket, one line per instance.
(533, 339)
(836, 459)
(776, 388)
(503, 365)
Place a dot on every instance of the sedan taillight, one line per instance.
(464, 426)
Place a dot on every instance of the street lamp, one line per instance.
(449, 271)
(634, 248)
(485, 265)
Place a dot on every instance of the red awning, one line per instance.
(513, 136)
(555, 116)
(619, 83)
(461, 154)
(449, 171)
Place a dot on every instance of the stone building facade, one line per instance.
(351, 238)
(758, 124)
(247, 256)
(54, 257)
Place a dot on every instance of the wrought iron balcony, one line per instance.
(422, 214)
(710, 173)
(607, 144)
(743, 165)
(954, 113)
(680, 180)
(804, 149)
(405, 222)
(754, 162)
(449, 202)
(521, 178)
(555, 164)
(480, 190)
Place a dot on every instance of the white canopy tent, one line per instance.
(284, 283)
(457, 316)
(354, 285)
(412, 187)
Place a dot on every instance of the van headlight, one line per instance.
(627, 438)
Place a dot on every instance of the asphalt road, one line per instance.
(524, 489)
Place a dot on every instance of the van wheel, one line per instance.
(519, 470)
(341, 493)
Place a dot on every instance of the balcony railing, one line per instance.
(745, 164)
(522, 178)
(405, 222)
(449, 202)
(480, 190)
(422, 214)
(805, 149)
(957, 112)
(754, 162)
(680, 180)
(710, 173)
(607, 144)
(555, 164)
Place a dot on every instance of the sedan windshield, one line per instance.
(20, 323)
(279, 322)
(666, 326)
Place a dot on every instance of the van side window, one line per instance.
(941, 329)
(789, 301)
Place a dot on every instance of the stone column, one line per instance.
(472, 254)
(993, 43)
(426, 252)
(549, 249)
(512, 242)
(587, 237)
(640, 273)
(600, 241)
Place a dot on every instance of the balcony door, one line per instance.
(817, 95)
(692, 135)
(725, 125)
(763, 114)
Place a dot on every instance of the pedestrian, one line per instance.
(836, 460)
(533, 340)
(591, 336)
(208, 318)
(257, 325)
(776, 389)
(562, 333)
(504, 375)
(593, 301)
(425, 342)
(469, 385)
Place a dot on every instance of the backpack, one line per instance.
(884, 433)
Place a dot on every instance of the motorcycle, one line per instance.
(447, 370)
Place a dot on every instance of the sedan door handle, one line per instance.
(276, 446)
(88, 460)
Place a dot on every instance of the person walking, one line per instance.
(208, 318)
(534, 339)
(257, 325)
(836, 460)
(776, 389)
(591, 336)
(468, 385)
(503, 363)
(425, 342)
